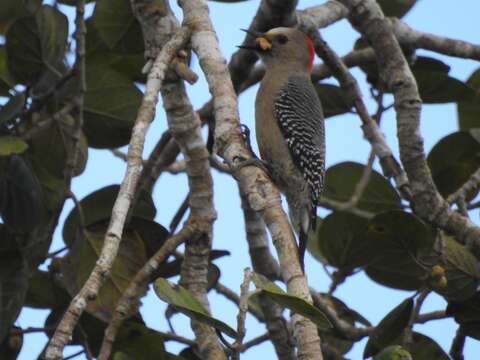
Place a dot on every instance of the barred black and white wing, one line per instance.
(300, 118)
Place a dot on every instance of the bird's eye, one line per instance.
(282, 39)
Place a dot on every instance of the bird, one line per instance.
(289, 124)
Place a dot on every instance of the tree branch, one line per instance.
(371, 131)
(261, 193)
(443, 45)
(122, 204)
(79, 70)
(128, 303)
(264, 263)
(456, 350)
(345, 328)
(367, 17)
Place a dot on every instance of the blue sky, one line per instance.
(344, 142)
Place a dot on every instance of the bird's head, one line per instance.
(283, 46)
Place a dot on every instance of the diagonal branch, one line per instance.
(128, 303)
(122, 204)
(367, 17)
(390, 166)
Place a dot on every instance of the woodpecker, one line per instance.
(289, 124)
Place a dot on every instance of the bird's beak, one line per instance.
(261, 42)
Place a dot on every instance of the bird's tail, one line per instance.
(302, 222)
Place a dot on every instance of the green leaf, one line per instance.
(293, 303)
(21, 203)
(14, 9)
(438, 88)
(12, 108)
(122, 58)
(13, 286)
(139, 342)
(393, 352)
(423, 63)
(49, 148)
(81, 259)
(12, 344)
(397, 8)
(461, 271)
(11, 145)
(116, 23)
(472, 329)
(425, 348)
(98, 205)
(378, 196)
(190, 353)
(334, 100)
(332, 337)
(6, 80)
(435, 85)
(469, 111)
(390, 328)
(397, 277)
(152, 233)
(465, 311)
(313, 243)
(398, 240)
(53, 188)
(44, 292)
(183, 301)
(453, 160)
(36, 44)
(110, 109)
(339, 239)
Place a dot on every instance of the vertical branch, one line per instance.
(185, 126)
(79, 70)
(261, 193)
(122, 204)
(185, 132)
(242, 314)
(264, 263)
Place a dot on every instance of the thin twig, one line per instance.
(179, 215)
(390, 166)
(367, 17)
(170, 336)
(470, 186)
(242, 314)
(128, 302)
(233, 297)
(456, 350)
(407, 335)
(360, 186)
(254, 342)
(345, 328)
(434, 315)
(78, 100)
(74, 355)
(55, 253)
